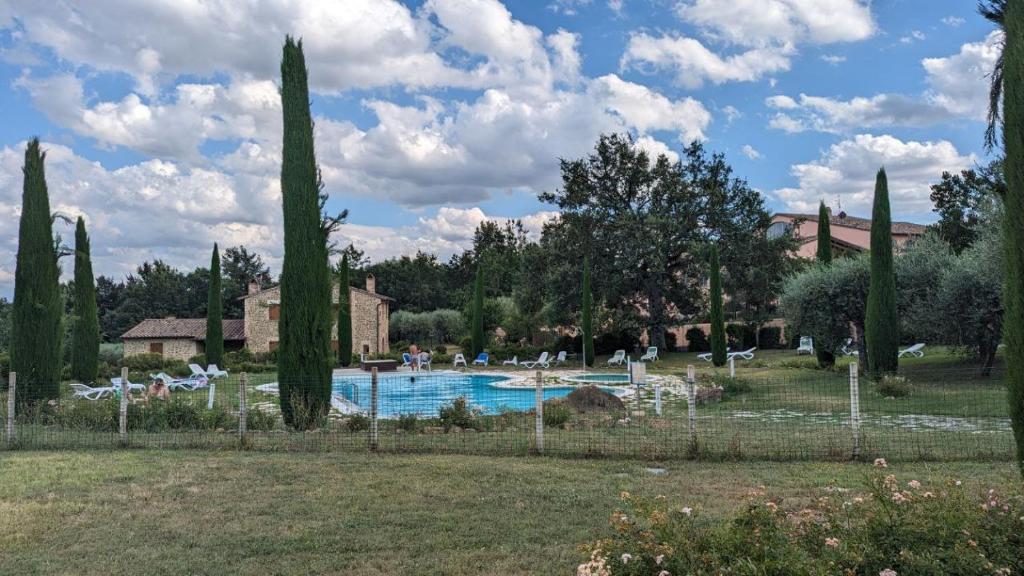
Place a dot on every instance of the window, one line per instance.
(156, 348)
(275, 311)
(272, 345)
(778, 229)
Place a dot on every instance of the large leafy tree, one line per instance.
(1007, 88)
(344, 315)
(718, 351)
(961, 201)
(37, 317)
(883, 327)
(239, 267)
(215, 313)
(826, 355)
(304, 353)
(418, 283)
(85, 336)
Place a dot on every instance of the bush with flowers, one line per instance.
(893, 527)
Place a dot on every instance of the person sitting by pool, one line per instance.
(158, 390)
(414, 354)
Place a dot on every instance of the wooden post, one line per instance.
(855, 409)
(539, 400)
(373, 409)
(12, 390)
(657, 399)
(732, 366)
(122, 420)
(691, 381)
(243, 413)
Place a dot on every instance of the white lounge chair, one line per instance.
(651, 354)
(187, 384)
(915, 350)
(425, 358)
(849, 349)
(513, 362)
(212, 371)
(197, 370)
(116, 382)
(706, 356)
(619, 358)
(91, 393)
(541, 361)
(459, 359)
(806, 346)
(745, 355)
(561, 357)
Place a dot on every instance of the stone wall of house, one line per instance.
(179, 348)
(261, 331)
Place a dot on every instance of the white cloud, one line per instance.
(781, 101)
(953, 21)
(833, 115)
(775, 22)
(731, 114)
(959, 83)
(786, 123)
(915, 35)
(693, 64)
(646, 110)
(847, 170)
(616, 6)
(750, 152)
(833, 59)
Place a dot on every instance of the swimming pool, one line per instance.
(425, 393)
(597, 378)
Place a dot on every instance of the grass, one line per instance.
(178, 512)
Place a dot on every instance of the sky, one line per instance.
(162, 123)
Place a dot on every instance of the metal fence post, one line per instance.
(12, 389)
(657, 399)
(732, 366)
(210, 394)
(691, 381)
(855, 409)
(122, 419)
(540, 412)
(243, 413)
(373, 409)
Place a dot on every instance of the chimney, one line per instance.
(371, 284)
(254, 287)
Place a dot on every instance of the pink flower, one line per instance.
(626, 558)
(914, 484)
(832, 542)
(771, 506)
(898, 497)
(888, 572)
(659, 559)
(881, 463)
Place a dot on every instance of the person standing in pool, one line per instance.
(414, 354)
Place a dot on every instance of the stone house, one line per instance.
(185, 337)
(370, 318)
(180, 338)
(850, 234)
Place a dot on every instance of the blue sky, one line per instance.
(163, 124)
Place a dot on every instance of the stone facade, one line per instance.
(370, 319)
(180, 348)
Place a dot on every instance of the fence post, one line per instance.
(243, 413)
(657, 399)
(210, 394)
(855, 409)
(373, 409)
(539, 402)
(691, 380)
(12, 389)
(122, 418)
(732, 366)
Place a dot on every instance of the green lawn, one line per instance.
(193, 512)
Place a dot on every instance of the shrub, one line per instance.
(199, 359)
(256, 419)
(698, 340)
(892, 386)
(731, 387)
(670, 341)
(609, 342)
(741, 336)
(593, 399)
(358, 422)
(770, 337)
(892, 527)
(408, 422)
(458, 414)
(154, 362)
(556, 413)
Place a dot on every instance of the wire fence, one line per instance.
(949, 414)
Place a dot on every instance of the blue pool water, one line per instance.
(423, 394)
(598, 378)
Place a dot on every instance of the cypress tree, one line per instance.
(304, 352)
(1013, 219)
(85, 335)
(882, 327)
(477, 334)
(587, 315)
(826, 358)
(718, 352)
(36, 323)
(215, 314)
(344, 315)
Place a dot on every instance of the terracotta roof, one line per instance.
(353, 288)
(908, 228)
(190, 328)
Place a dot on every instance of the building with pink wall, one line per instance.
(849, 233)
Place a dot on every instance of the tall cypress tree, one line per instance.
(304, 353)
(36, 323)
(882, 327)
(215, 314)
(1013, 219)
(477, 333)
(587, 315)
(826, 358)
(344, 315)
(718, 352)
(85, 334)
